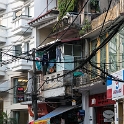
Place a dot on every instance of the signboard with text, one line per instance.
(117, 87)
(20, 94)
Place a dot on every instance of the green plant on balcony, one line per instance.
(65, 6)
(94, 5)
(85, 28)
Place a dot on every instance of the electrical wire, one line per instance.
(105, 16)
(69, 25)
(54, 26)
(51, 31)
(109, 75)
(101, 45)
(19, 57)
(29, 27)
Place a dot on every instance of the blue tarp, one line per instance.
(56, 112)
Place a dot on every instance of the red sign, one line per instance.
(100, 100)
(20, 89)
(20, 94)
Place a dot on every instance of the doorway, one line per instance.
(99, 114)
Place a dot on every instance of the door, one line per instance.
(99, 114)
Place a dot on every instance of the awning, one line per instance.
(57, 111)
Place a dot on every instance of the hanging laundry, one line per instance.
(45, 62)
(45, 59)
(58, 53)
(39, 55)
(38, 64)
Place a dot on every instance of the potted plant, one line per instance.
(85, 28)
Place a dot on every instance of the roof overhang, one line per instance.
(45, 18)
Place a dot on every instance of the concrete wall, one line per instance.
(41, 6)
(85, 106)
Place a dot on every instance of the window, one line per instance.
(102, 53)
(28, 11)
(18, 91)
(77, 50)
(68, 49)
(27, 45)
(113, 54)
(18, 50)
(73, 50)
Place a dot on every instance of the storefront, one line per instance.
(115, 91)
(103, 109)
(64, 115)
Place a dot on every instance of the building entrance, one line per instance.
(104, 114)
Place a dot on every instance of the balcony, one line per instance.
(58, 92)
(115, 13)
(2, 5)
(3, 34)
(2, 70)
(20, 25)
(57, 87)
(21, 65)
(64, 25)
(46, 20)
(59, 82)
(112, 15)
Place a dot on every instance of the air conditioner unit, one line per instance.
(75, 19)
(72, 18)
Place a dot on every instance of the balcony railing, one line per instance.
(112, 14)
(20, 25)
(22, 65)
(59, 82)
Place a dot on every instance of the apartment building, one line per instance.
(15, 35)
(92, 83)
(28, 24)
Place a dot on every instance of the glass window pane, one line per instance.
(67, 49)
(18, 50)
(102, 53)
(76, 50)
(113, 54)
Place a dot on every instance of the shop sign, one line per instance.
(108, 119)
(93, 101)
(100, 100)
(118, 87)
(82, 112)
(20, 94)
(108, 115)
